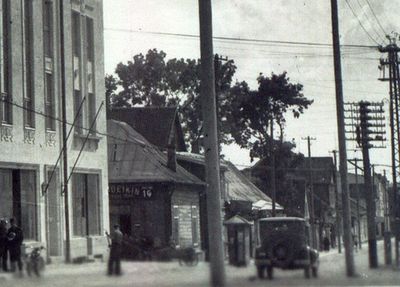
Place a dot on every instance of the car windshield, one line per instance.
(292, 226)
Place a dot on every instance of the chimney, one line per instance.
(171, 157)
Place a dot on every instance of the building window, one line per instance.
(89, 40)
(5, 106)
(29, 103)
(76, 50)
(76, 34)
(77, 113)
(48, 52)
(49, 102)
(48, 28)
(18, 199)
(90, 75)
(86, 204)
(195, 220)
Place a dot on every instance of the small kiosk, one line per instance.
(239, 230)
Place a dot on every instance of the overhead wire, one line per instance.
(244, 40)
(361, 24)
(375, 16)
(383, 39)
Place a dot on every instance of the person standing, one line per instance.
(114, 261)
(15, 238)
(3, 245)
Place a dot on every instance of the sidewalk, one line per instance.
(332, 273)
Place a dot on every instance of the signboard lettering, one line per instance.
(129, 190)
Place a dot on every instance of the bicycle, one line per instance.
(188, 256)
(34, 261)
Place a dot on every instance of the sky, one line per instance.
(134, 26)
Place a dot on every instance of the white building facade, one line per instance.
(31, 177)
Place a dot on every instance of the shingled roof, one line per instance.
(154, 123)
(131, 158)
(240, 187)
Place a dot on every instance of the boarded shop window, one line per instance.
(86, 204)
(18, 199)
(6, 194)
(195, 235)
(175, 225)
(28, 203)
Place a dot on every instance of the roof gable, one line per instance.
(157, 124)
(131, 158)
(239, 187)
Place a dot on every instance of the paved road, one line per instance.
(332, 270)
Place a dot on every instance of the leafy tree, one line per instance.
(253, 110)
(252, 113)
(153, 81)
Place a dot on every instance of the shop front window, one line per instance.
(18, 199)
(86, 204)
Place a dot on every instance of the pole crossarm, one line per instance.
(366, 122)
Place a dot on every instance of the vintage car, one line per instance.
(285, 244)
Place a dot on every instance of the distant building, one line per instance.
(358, 197)
(296, 197)
(30, 124)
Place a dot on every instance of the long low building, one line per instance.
(150, 195)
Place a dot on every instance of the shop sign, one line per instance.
(129, 190)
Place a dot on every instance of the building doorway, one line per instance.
(53, 216)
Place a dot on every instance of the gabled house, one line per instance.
(158, 125)
(149, 197)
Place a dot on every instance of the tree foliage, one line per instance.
(151, 80)
(253, 111)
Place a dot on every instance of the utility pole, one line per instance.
(207, 93)
(64, 136)
(358, 204)
(386, 235)
(368, 125)
(350, 268)
(217, 67)
(315, 242)
(369, 194)
(337, 205)
(394, 81)
(273, 167)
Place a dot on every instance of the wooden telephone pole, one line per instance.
(207, 94)
(315, 241)
(350, 269)
(367, 126)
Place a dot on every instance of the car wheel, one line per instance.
(314, 271)
(307, 272)
(260, 271)
(270, 272)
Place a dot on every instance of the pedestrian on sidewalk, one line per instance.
(15, 238)
(114, 261)
(3, 245)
